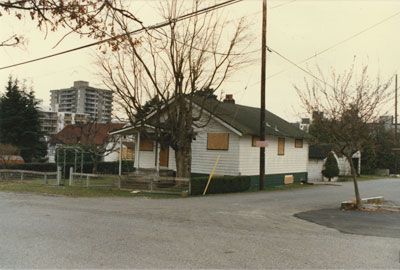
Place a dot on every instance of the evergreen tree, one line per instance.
(19, 121)
(331, 167)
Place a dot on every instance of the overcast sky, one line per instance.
(367, 30)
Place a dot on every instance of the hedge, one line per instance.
(102, 167)
(225, 184)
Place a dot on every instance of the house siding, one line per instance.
(272, 180)
(294, 158)
(203, 160)
(315, 167)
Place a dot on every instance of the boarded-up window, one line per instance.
(289, 179)
(298, 143)
(281, 146)
(146, 144)
(217, 141)
(255, 140)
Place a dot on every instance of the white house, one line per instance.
(317, 158)
(232, 131)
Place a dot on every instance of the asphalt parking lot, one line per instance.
(247, 230)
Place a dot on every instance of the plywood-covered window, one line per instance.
(281, 146)
(146, 144)
(298, 143)
(217, 141)
(254, 140)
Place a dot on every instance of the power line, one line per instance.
(299, 67)
(159, 25)
(340, 42)
(334, 45)
(283, 4)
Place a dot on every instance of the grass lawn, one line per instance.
(32, 187)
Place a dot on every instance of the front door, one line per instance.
(164, 156)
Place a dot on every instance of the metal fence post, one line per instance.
(71, 176)
(190, 186)
(59, 170)
(87, 180)
(22, 176)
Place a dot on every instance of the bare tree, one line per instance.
(343, 108)
(92, 18)
(95, 140)
(172, 64)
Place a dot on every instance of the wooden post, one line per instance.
(119, 181)
(45, 179)
(120, 157)
(71, 176)
(396, 142)
(137, 151)
(59, 171)
(211, 175)
(262, 110)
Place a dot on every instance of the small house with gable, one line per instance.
(232, 132)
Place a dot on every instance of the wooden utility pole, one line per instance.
(262, 111)
(396, 142)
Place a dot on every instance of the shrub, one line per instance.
(40, 167)
(331, 167)
(224, 184)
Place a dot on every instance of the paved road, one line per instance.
(356, 222)
(249, 230)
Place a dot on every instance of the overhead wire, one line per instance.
(155, 26)
(299, 67)
(334, 45)
(339, 43)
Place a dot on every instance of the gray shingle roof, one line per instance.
(247, 119)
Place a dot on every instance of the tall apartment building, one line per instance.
(83, 99)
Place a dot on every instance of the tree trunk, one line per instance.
(95, 162)
(354, 174)
(183, 159)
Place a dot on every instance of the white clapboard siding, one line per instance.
(294, 160)
(203, 160)
(315, 167)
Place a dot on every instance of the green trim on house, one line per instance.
(271, 180)
(194, 175)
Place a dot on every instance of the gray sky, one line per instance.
(296, 29)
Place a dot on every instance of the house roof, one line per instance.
(241, 118)
(319, 151)
(85, 133)
(247, 119)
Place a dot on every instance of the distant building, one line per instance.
(304, 125)
(83, 99)
(53, 122)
